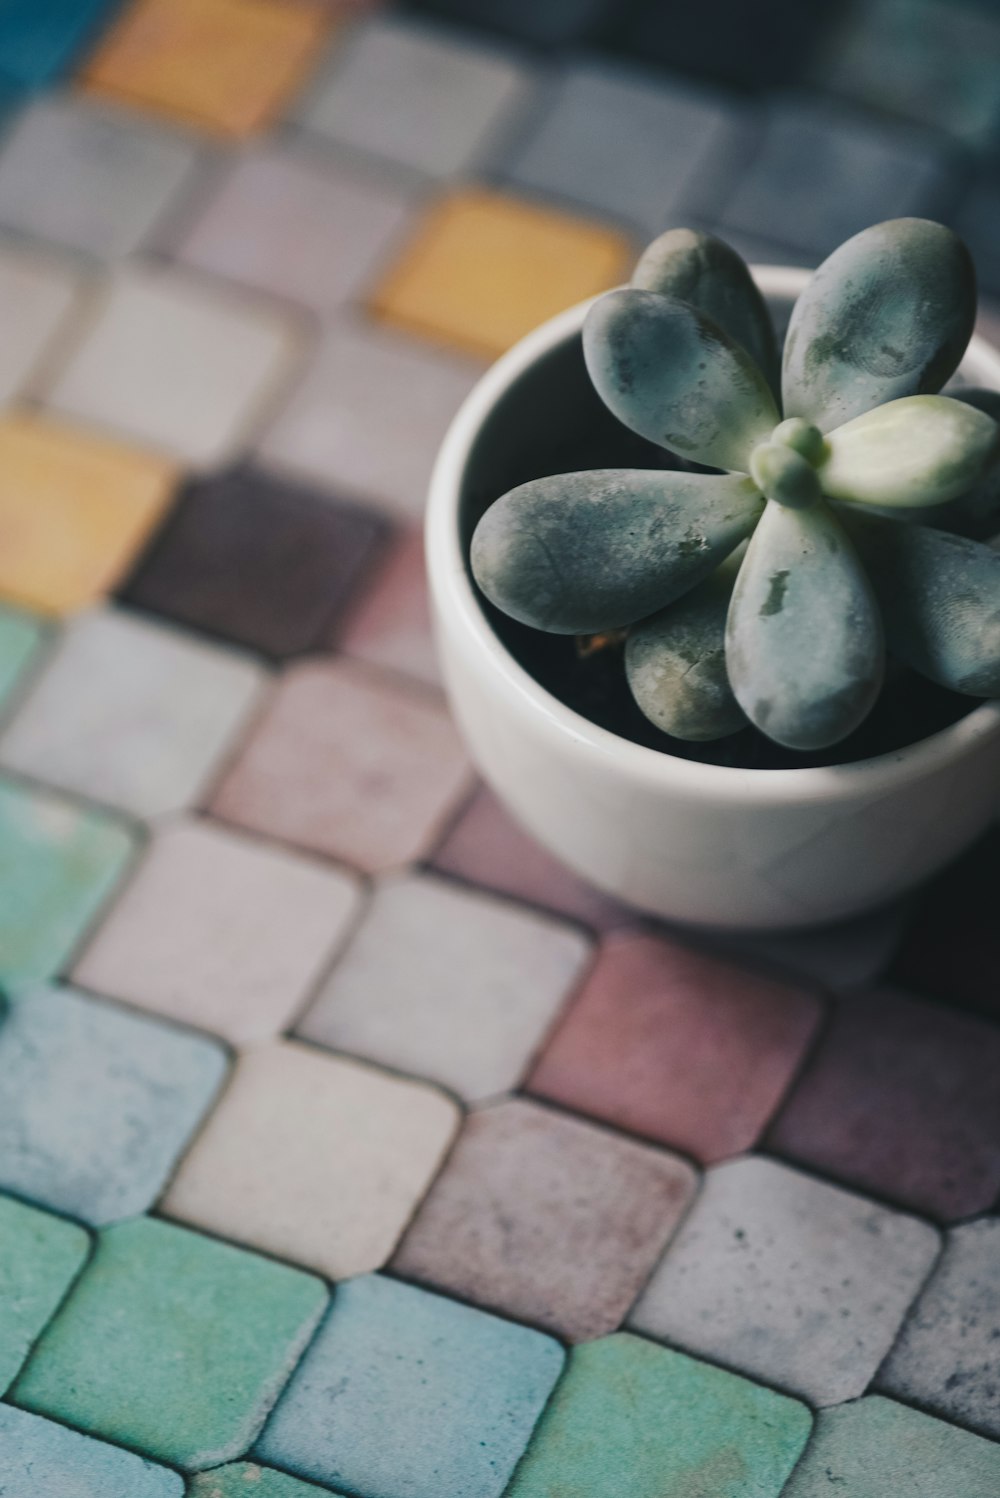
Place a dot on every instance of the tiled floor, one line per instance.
(348, 1145)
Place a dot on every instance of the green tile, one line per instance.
(247, 1480)
(20, 637)
(40, 1255)
(633, 1417)
(876, 1448)
(172, 1344)
(59, 862)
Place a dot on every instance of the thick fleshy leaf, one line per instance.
(922, 450)
(579, 553)
(888, 314)
(676, 663)
(706, 272)
(803, 638)
(671, 375)
(940, 599)
(977, 513)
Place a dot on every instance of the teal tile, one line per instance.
(172, 1344)
(42, 1460)
(876, 1448)
(20, 637)
(404, 1394)
(96, 1104)
(41, 1256)
(630, 1417)
(40, 38)
(247, 1480)
(59, 863)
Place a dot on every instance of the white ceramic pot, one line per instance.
(703, 844)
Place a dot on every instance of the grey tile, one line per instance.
(788, 1280)
(948, 1356)
(632, 144)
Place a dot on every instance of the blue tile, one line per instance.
(754, 45)
(40, 38)
(39, 1459)
(821, 175)
(632, 144)
(542, 23)
(96, 1104)
(404, 1394)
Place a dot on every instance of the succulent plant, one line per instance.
(769, 589)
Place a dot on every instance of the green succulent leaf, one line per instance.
(888, 314)
(784, 475)
(708, 274)
(673, 376)
(977, 513)
(921, 450)
(803, 637)
(676, 663)
(580, 553)
(940, 599)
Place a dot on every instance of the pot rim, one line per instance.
(458, 604)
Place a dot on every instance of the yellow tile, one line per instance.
(74, 510)
(484, 269)
(226, 65)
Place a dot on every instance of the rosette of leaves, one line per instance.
(765, 579)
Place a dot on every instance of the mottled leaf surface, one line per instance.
(706, 272)
(580, 553)
(921, 450)
(673, 376)
(888, 314)
(803, 636)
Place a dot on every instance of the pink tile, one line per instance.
(547, 1219)
(902, 1098)
(488, 848)
(391, 626)
(679, 1046)
(348, 764)
(306, 229)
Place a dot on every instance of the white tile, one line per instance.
(171, 362)
(131, 713)
(37, 294)
(221, 931)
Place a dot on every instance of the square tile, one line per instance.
(220, 931)
(258, 561)
(678, 1046)
(314, 1158)
(447, 984)
(369, 415)
(636, 145)
(483, 269)
(171, 362)
(947, 1357)
(227, 66)
(876, 1445)
(93, 180)
(172, 1343)
(678, 1428)
(390, 624)
(96, 1104)
(59, 864)
(346, 764)
(951, 947)
(99, 497)
(40, 38)
(553, 24)
(901, 1099)
(232, 1482)
(486, 847)
(751, 47)
(38, 294)
(824, 174)
(131, 713)
(22, 637)
(788, 1280)
(459, 1390)
(547, 1219)
(298, 226)
(421, 96)
(39, 1457)
(42, 1256)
